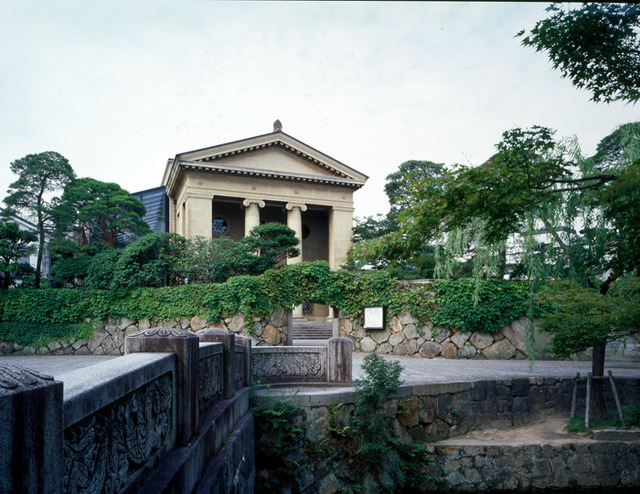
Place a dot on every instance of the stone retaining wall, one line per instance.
(402, 336)
(435, 412)
(108, 339)
(537, 466)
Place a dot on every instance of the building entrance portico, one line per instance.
(230, 188)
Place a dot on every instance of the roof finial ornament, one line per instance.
(277, 126)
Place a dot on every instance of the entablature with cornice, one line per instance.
(216, 160)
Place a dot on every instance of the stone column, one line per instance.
(227, 338)
(31, 431)
(185, 345)
(251, 214)
(294, 221)
(340, 234)
(339, 360)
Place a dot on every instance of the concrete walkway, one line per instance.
(415, 370)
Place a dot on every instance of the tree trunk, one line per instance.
(40, 249)
(598, 412)
(502, 267)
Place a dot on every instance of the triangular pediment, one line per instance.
(276, 155)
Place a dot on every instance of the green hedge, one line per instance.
(468, 305)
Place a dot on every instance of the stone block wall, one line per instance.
(403, 336)
(426, 414)
(108, 339)
(537, 467)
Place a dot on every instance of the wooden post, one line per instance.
(617, 398)
(586, 413)
(574, 400)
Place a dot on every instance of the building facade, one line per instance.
(230, 188)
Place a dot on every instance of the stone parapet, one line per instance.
(30, 431)
(331, 363)
(113, 426)
(184, 345)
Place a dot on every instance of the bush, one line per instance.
(443, 303)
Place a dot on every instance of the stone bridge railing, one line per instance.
(172, 415)
(331, 363)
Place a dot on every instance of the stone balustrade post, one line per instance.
(246, 343)
(289, 327)
(339, 360)
(185, 345)
(227, 338)
(31, 431)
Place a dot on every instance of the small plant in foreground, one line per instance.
(279, 446)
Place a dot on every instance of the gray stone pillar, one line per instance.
(31, 431)
(185, 345)
(227, 338)
(339, 360)
(246, 343)
(251, 214)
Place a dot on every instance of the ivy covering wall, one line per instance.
(27, 316)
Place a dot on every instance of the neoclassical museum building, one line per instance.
(230, 188)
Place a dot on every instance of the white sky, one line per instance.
(117, 87)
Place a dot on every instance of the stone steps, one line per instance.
(312, 330)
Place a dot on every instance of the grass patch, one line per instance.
(576, 424)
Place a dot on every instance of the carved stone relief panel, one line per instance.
(239, 370)
(210, 383)
(105, 451)
(287, 364)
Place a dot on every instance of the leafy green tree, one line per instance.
(399, 183)
(214, 260)
(595, 45)
(418, 262)
(150, 261)
(537, 187)
(70, 262)
(104, 210)
(39, 175)
(270, 244)
(14, 244)
(101, 270)
(373, 227)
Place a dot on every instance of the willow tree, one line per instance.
(564, 216)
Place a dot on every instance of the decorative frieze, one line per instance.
(303, 365)
(210, 382)
(106, 451)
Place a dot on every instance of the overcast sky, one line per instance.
(117, 87)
